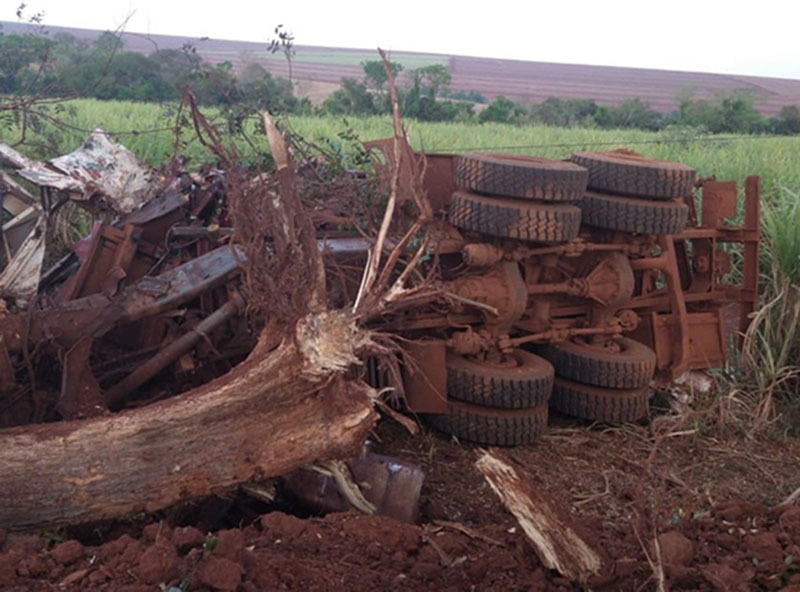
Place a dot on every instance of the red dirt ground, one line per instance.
(466, 539)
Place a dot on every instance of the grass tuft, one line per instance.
(766, 383)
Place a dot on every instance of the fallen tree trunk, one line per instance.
(276, 411)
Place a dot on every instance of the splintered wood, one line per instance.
(546, 526)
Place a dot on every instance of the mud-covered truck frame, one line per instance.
(574, 286)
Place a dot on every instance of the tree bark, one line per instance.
(276, 411)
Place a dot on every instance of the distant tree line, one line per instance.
(426, 96)
(63, 66)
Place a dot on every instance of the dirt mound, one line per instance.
(742, 546)
(282, 552)
(737, 546)
(467, 540)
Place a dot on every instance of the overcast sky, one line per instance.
(757, 38)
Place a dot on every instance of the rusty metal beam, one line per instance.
(97, 314)
(80, 394)
(752, 205)
(170, 354)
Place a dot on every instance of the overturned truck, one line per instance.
(565, 285)
(574, 285)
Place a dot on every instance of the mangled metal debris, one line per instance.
(101, 173)
(109, 170)
(391, 487)
(146, 306)
(128, 301)
(20, 278)
(38, 173)
(99, 168)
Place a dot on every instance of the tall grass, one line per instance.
(771, 349)
(780, 220)
(775, 159)
(765, 383)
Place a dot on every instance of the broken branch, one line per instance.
(548, 529)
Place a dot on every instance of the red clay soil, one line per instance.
(705, 544)
(281, 552)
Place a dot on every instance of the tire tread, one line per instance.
(639, 216)
(529, 388)
(506, 218)
(644, 177)
(598, 404)
(471, 423)
(521, 177)
(633, 369)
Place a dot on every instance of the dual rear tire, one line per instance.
(528, 199)
(520, 197)
(601, 383)
(507, 404)
(631, 193)
(545, 201)
(497, 404)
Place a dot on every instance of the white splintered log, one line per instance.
(547, 527)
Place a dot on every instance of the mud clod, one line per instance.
(765, 551)
(8, 570)
(279, 525)
(68, 552)
(187, 537)
(230, 544)
(220, 573)
(158, 563)
(157, 530)
(676, 549)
